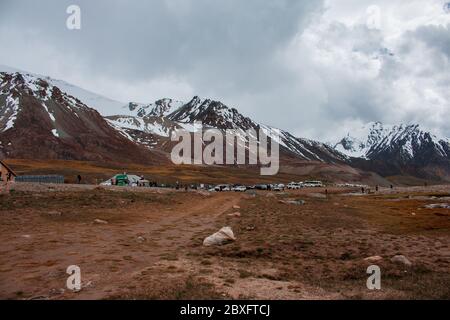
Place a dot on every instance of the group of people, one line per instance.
(377, 188)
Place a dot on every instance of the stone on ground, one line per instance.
(400, 259)
(224, 236)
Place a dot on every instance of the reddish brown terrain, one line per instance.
(151, 246)
(95, 172)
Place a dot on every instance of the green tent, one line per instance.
(122, 180)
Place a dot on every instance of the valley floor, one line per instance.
(148, 244)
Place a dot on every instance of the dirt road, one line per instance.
(149, 244)
(38, 244)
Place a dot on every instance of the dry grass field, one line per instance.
(151, 246)
(95, 172)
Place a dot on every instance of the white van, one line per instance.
(313, 184)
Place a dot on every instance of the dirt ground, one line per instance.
(97, 172)
(151, 246)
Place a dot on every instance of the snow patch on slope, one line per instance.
(103, 105)
(52, 117)
(12, 106)
(55, 133)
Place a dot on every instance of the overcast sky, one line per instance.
(316, 68)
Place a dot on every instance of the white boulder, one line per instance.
(224, 236)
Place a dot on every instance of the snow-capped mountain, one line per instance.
(375, 138)
(35, 108)
(100, 103)
(159, 118)
(397, 148)
(360, 141)
(38, 120)
(212, 114)
(150, 118)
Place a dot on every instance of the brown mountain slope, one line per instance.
(38, 121)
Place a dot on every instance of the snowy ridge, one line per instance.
(211, 113)
(103, 105)
(147, 125)
(360, 141)
(14, 85)
(160, 108)
(164, 115)
(40, 88)
(408, 141)
(150, 118)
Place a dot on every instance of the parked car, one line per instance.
(261, 187)
(278, 187)
(240, 189)
(294, 186)
(222, 187)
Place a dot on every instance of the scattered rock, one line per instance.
(205, 193)
(250, 228)
(55, 214)
(56, 292)
(235, 214)
(413, 213)
(236, 207)
(99, 221)
(26, 236)
(400, 259)
(438, 206)
(224, 236)
(373, 259)
(293, 202)
(141, 239)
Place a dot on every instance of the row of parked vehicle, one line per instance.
(305, 184)
(241, 188)
(268, 187)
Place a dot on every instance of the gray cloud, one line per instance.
(279, 61)
(150, 38)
